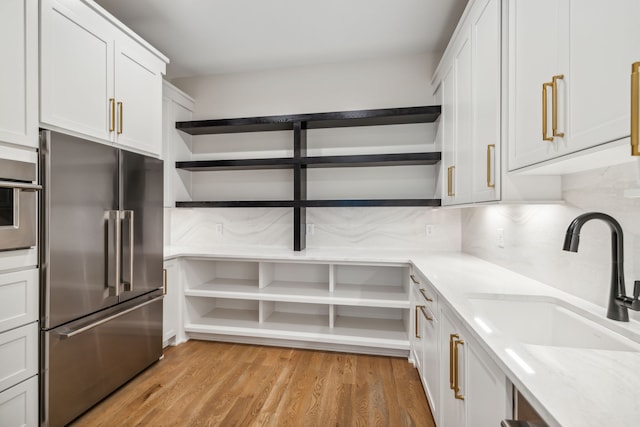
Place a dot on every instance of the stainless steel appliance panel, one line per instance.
(142, 206)
(80, 180)
(85, 361)
(17, 204)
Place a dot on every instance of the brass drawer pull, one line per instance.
(554, 105)
(456, 385)
(425, 295)
(635, 107)
(424, 313)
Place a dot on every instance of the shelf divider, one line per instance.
(299, 186)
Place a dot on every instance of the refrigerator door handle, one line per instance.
(129, 216)
(114, 252)
(68, 332)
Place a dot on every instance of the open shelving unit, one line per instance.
(300, 162)
(325, 303)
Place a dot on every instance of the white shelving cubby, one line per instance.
(334, 306)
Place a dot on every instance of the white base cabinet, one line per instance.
(426, 338)
(320, 305)
(474, 391)
(171, 303)
(19, 404)
(19, 346)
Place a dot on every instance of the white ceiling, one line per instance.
(203, 37)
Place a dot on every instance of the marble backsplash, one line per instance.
(383, 228)
(533, 234)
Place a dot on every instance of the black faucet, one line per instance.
(619, 302)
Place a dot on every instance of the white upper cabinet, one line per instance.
(138, 97)
(470, 86)
(98, 79)
(76, 66)
(603, 43)
(486, 91)
(571, 59)
(19, 72)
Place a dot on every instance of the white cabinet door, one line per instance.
(486, 101)
(603, 43)
(19, 404)
(416, 340)
(19, 72)
(430, 334)
(463, 148)
(170, 311)
(18, 298)
(486, 389)
(18, 355)
(447, 131)
(535, 46)
(138, 95)
(452, 409)
(76, 66)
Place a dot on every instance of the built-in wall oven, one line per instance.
(18, 204)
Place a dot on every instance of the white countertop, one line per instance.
(568, 386)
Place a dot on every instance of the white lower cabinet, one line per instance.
(171, 303)
(18, 355)
(19, 404)
(19, 347)
(361, 307)
(474, 391)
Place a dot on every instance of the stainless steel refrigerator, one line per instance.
(101, 271)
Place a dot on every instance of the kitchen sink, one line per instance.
(544, 321)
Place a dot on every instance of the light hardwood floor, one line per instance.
(202, 383)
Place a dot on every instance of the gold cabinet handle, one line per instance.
(450, 171)
(456, 385)
(544, 112)
(554, 105)
(112, 115)
(635, 107)
(451, 349)
(424, 313)
(120, 108)
(490, 182)
(418, 307)
(164, 281)
(414, 280)
(425, 295)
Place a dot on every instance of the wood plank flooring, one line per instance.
(202, 383)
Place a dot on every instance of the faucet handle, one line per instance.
(636, 289)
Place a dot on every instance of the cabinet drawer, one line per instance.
(18, 298)
(423, 288)
(18, 355)
(19, 404)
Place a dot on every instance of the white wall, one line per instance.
(392, 82)
(534, 234)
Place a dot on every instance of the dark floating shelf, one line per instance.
(360, 160)
(241, 164)
(386, 116)
(363, 160)
(310, 203)
(300, 162)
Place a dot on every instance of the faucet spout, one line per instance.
(615, 310)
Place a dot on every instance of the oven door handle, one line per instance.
(24, 186)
